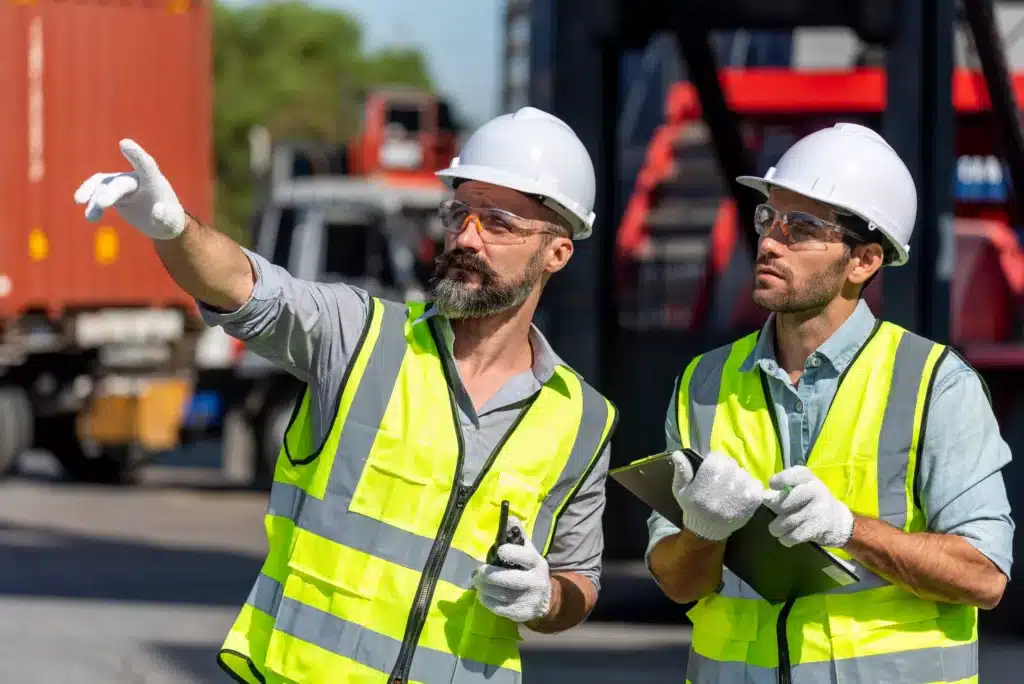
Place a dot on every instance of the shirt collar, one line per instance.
(838, 350)
(544, 357)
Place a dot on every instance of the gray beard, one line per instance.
(454, 300)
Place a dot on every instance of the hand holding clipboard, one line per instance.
(776, 572)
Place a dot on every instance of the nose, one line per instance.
(469, 237)
(768, 246)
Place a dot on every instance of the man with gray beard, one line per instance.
(863, 438)
(423, 426)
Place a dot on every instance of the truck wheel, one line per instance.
(118, 465)
(240, 453)
(113, 465)
(275, 424)
(15, 427)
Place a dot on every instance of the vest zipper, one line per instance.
(439, 550)
(785, 673)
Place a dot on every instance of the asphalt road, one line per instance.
(139, 585)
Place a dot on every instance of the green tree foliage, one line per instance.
(298, 70)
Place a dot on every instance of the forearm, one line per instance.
(572, 598)
(940, 567)
(687, 567)
(208, 265)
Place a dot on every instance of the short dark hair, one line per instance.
(861, 235)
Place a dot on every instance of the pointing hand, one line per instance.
(143, 197)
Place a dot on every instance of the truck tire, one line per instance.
(113, 465)
(275, 424)
(15, 427)
(240, 465)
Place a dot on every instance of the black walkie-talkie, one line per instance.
(504, 536)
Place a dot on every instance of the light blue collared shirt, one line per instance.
(961, 486)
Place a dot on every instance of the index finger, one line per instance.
(143, 163)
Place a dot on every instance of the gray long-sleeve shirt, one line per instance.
(311, 330)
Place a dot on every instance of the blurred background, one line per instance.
(136, 444)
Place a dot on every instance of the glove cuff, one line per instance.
(844, 531)
(701, 529)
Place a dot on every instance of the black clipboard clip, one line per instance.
(504, 536)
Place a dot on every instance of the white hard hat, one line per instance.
(854, 170)
(533, 152)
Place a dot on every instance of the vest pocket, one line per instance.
(328, 568)
(724, 628)
(878, 609)
(489, 644)
(393, 490)
(324, 591)
(869, 633)
(523, 501)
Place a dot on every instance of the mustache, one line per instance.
(774, 265)
(465, 260)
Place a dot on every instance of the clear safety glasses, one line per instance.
(798, 230)
(495, 226)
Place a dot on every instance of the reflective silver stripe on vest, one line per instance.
(374, 537)
(359, 643)
(898, 428)
(585, 452)
(921, 666)
(266, 594)
(705, 385)
(701, 670)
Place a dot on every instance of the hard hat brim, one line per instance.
(765, 187)
(580, 229)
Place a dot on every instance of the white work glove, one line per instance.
(807, 510)
(720, 499)
(519, 595)
(142, 197)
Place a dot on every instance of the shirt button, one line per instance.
(815, 362)
(799, 406)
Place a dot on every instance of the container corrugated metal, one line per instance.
(76, 76)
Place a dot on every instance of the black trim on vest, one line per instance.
(356, 351)
(590, 468)
(231, 673)
(924, 425)
(984, 385)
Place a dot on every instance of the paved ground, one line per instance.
(139, 585)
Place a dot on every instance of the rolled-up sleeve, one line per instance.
(578, 542)
(306, 328)
(658, 526)
(961, 484)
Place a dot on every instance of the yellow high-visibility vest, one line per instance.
(373, 537)
(866, 453)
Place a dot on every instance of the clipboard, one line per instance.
(776, 572)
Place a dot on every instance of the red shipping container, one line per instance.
(76, 77)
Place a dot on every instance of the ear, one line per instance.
(865, 260)
(557, 254)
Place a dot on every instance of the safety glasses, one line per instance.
(495, 226)
(797, 229)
